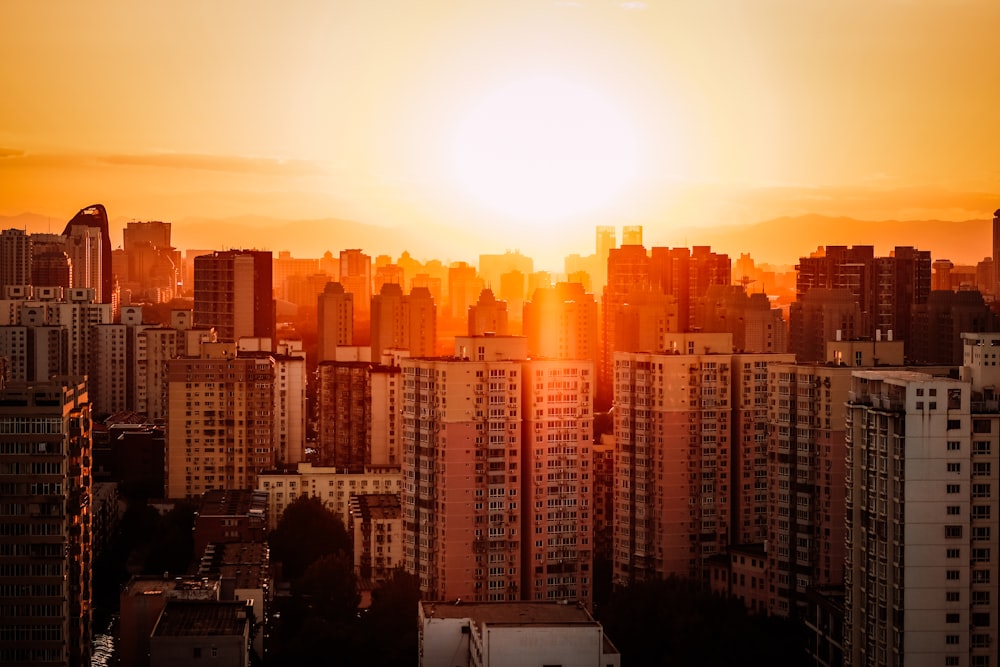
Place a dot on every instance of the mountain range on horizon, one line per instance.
(779, 241)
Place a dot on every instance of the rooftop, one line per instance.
(511, 613)
(201, 619)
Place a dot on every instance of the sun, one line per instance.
(544, 150)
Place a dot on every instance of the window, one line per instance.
(954, 510)
(954, 445)
(950, 660)
(952, 618)
(951, 639)
(197, 651)
(981, 469)
(954, 424)
(954, 467)
(954, 553)
(953, 575)
(952, 531)
(981, 447)
(952, 596)
(980, 511)
(954, 488)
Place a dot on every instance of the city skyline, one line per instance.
(529, 121)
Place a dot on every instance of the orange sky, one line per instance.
(525, 122)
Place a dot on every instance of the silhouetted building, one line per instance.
(561, 322)
(335, 315)
(754, 324)
(45, 562)
(939, 323)
(819, 316)
(356, 277)
(403, 322)
(89, 248)
(232, 293)
(15, 259)
(488, 315)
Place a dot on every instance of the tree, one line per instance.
(306, 532)
(330, 589)
(676, 622)
(390, 627)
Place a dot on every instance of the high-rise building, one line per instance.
(88, 244)
(628, 274)
(938, 325)
(152, 267)
(689, 455)
(115, 363)
(491, 464)
(220, 429)
(492, 267)
(403, 322)
(557, 480)
(50, 263)
(488, 315)
(464, 287)
(15, 259)
(561, 323)
(47, 331)
(462, 455)
(45, 558)
(754, 324)
(335, 315)
(921, 528)
(232, 293)
(995, 287)
(820, 316)
(356, 277)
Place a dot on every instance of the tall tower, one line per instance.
(491, 464)
(219, 439)
(996, 251)
(89, 248)
(335, 315)
(45, 563)
(488, 315)
(15, 259)
(356, 277)
(921, 562)
(561, 323)
(233, 294)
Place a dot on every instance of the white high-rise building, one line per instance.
(921, 510)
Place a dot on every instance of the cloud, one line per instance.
(10, 152)
(637, 6)
(228, 163)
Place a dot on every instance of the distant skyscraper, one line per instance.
(463, 289)
(996, 252)
(356, 277)
(89, 249)
(403, 322)
(45, 558)
(632, 235)
(335, 325)
(488, 315)
(561, 322)
(232, 293)
(15, 259)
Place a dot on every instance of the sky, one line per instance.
(514, 123)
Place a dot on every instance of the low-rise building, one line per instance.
(509, 634)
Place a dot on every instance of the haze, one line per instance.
(421, 116)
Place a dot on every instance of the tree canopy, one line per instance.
(307, 532)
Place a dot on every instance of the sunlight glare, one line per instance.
(544, 149)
